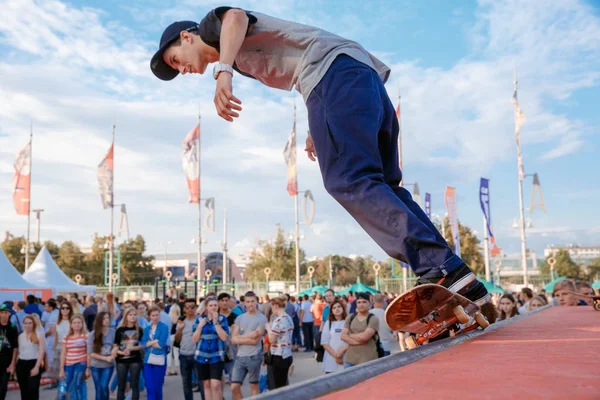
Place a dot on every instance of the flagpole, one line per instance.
(486, 249)
(521, 177)
(29, 199)
(225, 260)
(198, 269)
(400, 140)
(112, 214)
(296, 213)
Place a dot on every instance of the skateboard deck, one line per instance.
(427, 311)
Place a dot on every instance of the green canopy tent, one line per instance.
(491, 288)
(550, 286)
(356, 288)
(596, 285)
(321, 289)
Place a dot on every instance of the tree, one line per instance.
(564, 266)
(278, 255)
(593, 270)
(12, 248)
(135, 266)
(470, 251)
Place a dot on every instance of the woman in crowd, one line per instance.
(142, 309)
(154, 341)
(508, 307)
(31, 356)
(536, 302)
(128, 351)
(173, 358)
(210, 337)
(280, 333)
(112, 308)
(100, 344)
(331, 339)
(74, 359)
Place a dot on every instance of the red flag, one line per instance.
(105, 178)
(21, 181)
(289, 154)
(191, 163)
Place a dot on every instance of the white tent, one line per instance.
(13, 286)
(44, 272)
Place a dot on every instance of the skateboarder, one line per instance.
(354, 129)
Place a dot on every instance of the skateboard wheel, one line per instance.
(481, 320)
(461, 315)
(597, 305)
(411, 342)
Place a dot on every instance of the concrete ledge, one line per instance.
(329, 383)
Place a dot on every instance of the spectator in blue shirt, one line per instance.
(32, 307)
(154, 341)
(210, 336)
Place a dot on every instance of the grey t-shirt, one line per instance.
(107, 345)
(248, 323)
(188, 347)
(283, 54)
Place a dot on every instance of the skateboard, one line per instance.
(427, 311)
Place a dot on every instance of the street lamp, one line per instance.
(165, 245)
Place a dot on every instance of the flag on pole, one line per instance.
(484, 200)
(450, 200)
(519, 120)
(124, 222)
(191, 163)
(105, 178)
(289, 154)
(209, 218)
(428, 205)
(399, 136)
(21, 181)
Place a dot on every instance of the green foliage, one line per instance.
(564, 266)
(277, 254)
(470, 250)
(135, 266)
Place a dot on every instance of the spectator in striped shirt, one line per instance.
(280, 333)
(210, 336)
(75, 360)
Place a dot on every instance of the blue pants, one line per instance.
(155, 379)
(76, 386)
(187, 367)
(296, 337)
(101, 377)
(354, 128)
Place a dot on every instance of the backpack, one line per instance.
(375, 336)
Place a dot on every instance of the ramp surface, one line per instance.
(553, 354)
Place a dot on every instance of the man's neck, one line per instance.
(225, 311)
(363, 314)
(253, 312)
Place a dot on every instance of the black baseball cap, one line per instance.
(159, 67)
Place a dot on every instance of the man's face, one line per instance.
(565, 298)
(189, 309)
(329, 297)
(224, 303)
(250, 303)
(48, 308)
(4, 317)
(586, 291)
(362, 305)
(191, 57)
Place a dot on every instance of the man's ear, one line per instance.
(185, 36)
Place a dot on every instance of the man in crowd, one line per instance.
(329, 299)
(8, 349)
(247, 334)
(32, 307)
(563, 293)
(307, 322)
(525, 296)
(187, 347)
(230, 350)
(384, 331)
(358, 332)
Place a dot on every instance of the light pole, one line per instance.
(296, 236)
(38, 219)
(199, 240)
(165, 245)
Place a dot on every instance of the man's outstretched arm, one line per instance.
(233, 31)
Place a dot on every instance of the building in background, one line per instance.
(582, 255)
(184, 265)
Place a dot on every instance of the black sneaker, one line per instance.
(462, 281)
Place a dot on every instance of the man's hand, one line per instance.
(225, 101)
(310, 149)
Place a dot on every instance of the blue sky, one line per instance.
(77, 66)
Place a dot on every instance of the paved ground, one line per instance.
(551, 355)
(305, 368)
